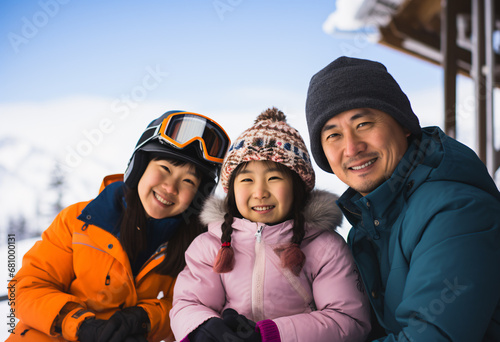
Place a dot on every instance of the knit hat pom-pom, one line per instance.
(291, 257)
(224, 261)
(273, 114)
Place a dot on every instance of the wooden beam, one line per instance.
(407, 29)
(394, 36)
(421, 14)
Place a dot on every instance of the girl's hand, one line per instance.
(213, 330)
(242, 326)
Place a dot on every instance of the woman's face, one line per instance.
(166, 190)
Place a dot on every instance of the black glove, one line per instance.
(130, 321)
(90, 330)
(242, 326)
(213, 330)
(135, 338)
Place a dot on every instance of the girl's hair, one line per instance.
(291, 256)
(134, 240)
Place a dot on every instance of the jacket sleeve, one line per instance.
(198, 293)
(43, 281)
(452, 291)
(343, 311)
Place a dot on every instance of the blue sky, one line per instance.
(53, 48)
(100, 48)
(82, 79)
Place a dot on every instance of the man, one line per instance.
(424, 210)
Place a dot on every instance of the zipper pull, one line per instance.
(258, 235)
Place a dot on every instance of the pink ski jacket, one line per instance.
(326, 303)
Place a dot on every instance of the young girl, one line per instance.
(270, 267)
(105, 269)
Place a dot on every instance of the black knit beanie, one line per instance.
(350, 83)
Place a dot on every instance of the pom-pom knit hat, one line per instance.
(350, 83)
(272, 139)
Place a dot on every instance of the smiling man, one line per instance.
(425, 213)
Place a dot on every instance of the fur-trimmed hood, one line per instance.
(321, 211)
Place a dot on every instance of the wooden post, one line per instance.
(449, 62)
(478, 62)
(492, 160)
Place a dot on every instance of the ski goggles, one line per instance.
(181, 129)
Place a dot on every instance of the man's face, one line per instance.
(363, 147)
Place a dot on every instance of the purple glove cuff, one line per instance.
(268, 330)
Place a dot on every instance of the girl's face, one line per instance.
(166, 190)
(263, 193)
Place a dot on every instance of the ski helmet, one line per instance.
(182, 135)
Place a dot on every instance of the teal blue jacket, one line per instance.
(427, 243)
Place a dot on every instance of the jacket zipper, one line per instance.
(258, 234)
(258, 277)
(108, 277)
(352, 212)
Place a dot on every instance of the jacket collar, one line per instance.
(383, 205)
(105, 211)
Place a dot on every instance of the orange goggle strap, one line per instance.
(165, 124)
(72, 322)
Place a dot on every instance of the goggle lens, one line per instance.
(181, 129)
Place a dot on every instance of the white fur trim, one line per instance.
(321, 211)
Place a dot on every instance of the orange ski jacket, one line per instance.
(77, 262)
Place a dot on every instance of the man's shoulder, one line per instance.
(444, 204)
(433, 192)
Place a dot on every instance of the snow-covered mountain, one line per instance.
(25, 175)
(29, 196)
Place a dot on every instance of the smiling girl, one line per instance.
(271, 267)
(105, 269)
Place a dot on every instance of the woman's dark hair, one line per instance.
(225, 264)
(134, 240)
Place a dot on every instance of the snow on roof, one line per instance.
(351, 16)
